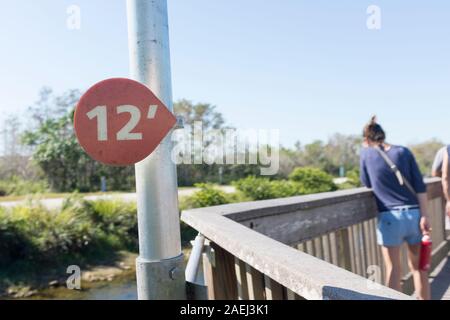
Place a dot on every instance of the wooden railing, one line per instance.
(319, 246)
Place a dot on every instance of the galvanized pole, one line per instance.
(160, 266)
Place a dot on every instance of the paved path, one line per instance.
(440, 285)
(56, 203)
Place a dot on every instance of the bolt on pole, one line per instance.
(160, 266)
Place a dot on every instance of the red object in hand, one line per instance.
(425, 254)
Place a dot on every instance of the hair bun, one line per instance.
(374, 132)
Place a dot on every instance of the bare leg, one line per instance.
(393, 267)
(421, 282)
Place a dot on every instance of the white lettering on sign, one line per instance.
(152, 112)
(102, 126)
(125, 134)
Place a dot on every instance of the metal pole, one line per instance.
(160, 266)
(195, 259)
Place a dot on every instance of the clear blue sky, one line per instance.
(308, 68)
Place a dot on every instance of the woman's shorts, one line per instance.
(397, 226)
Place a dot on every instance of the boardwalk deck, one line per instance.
(440, 281)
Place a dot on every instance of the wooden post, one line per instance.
(274, 290)
(326, 248)
(344, 249)
(241, 277)
(255, 283)
(334, 249)
(318, 247)
(224, 275)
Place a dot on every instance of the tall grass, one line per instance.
(33, 235)
(19, 187)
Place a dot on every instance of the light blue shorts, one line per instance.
(398, 226)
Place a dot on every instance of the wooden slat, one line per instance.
(374, 259)
(383, 266)
(434, 190)
(318, 248)
(224, 275)
(372, 243)
(326, 248)
(302, 247)
(437, 217)
(352, 250)
(334, 249)
(377, 251)
(241, 279)
(367, 247)
(362, 243)
(255, 283)
(274, 290)
(292, 296)
(344, 251)
(310, 248)
(358, 251)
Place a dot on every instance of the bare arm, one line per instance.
(425, 223)
(423, 203)
(446, 182)
(446, 177)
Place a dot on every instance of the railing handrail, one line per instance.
(310, 208)
(230, 227)
(303, 274)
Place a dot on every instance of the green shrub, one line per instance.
(207, 196)
(80, 229)
(13, 243)
(312, 180)
(255, 188)
(353, 178)
(19, 187)
(39, 235)
(117, 220)
(263, 188)
(238, 197)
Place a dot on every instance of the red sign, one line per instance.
(121, 122)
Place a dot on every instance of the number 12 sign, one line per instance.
(121, 122)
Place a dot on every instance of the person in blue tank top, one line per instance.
(403, 215)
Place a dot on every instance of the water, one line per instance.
(121, 291)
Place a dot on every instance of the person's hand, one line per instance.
(425, 226)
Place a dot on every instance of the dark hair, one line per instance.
(374, 132)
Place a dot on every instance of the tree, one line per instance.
(49, 106)
(203, 112)
(57, 152)
(14, 163)
(211, 119)
(339, 151)
(342, 151)
(425, 153)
